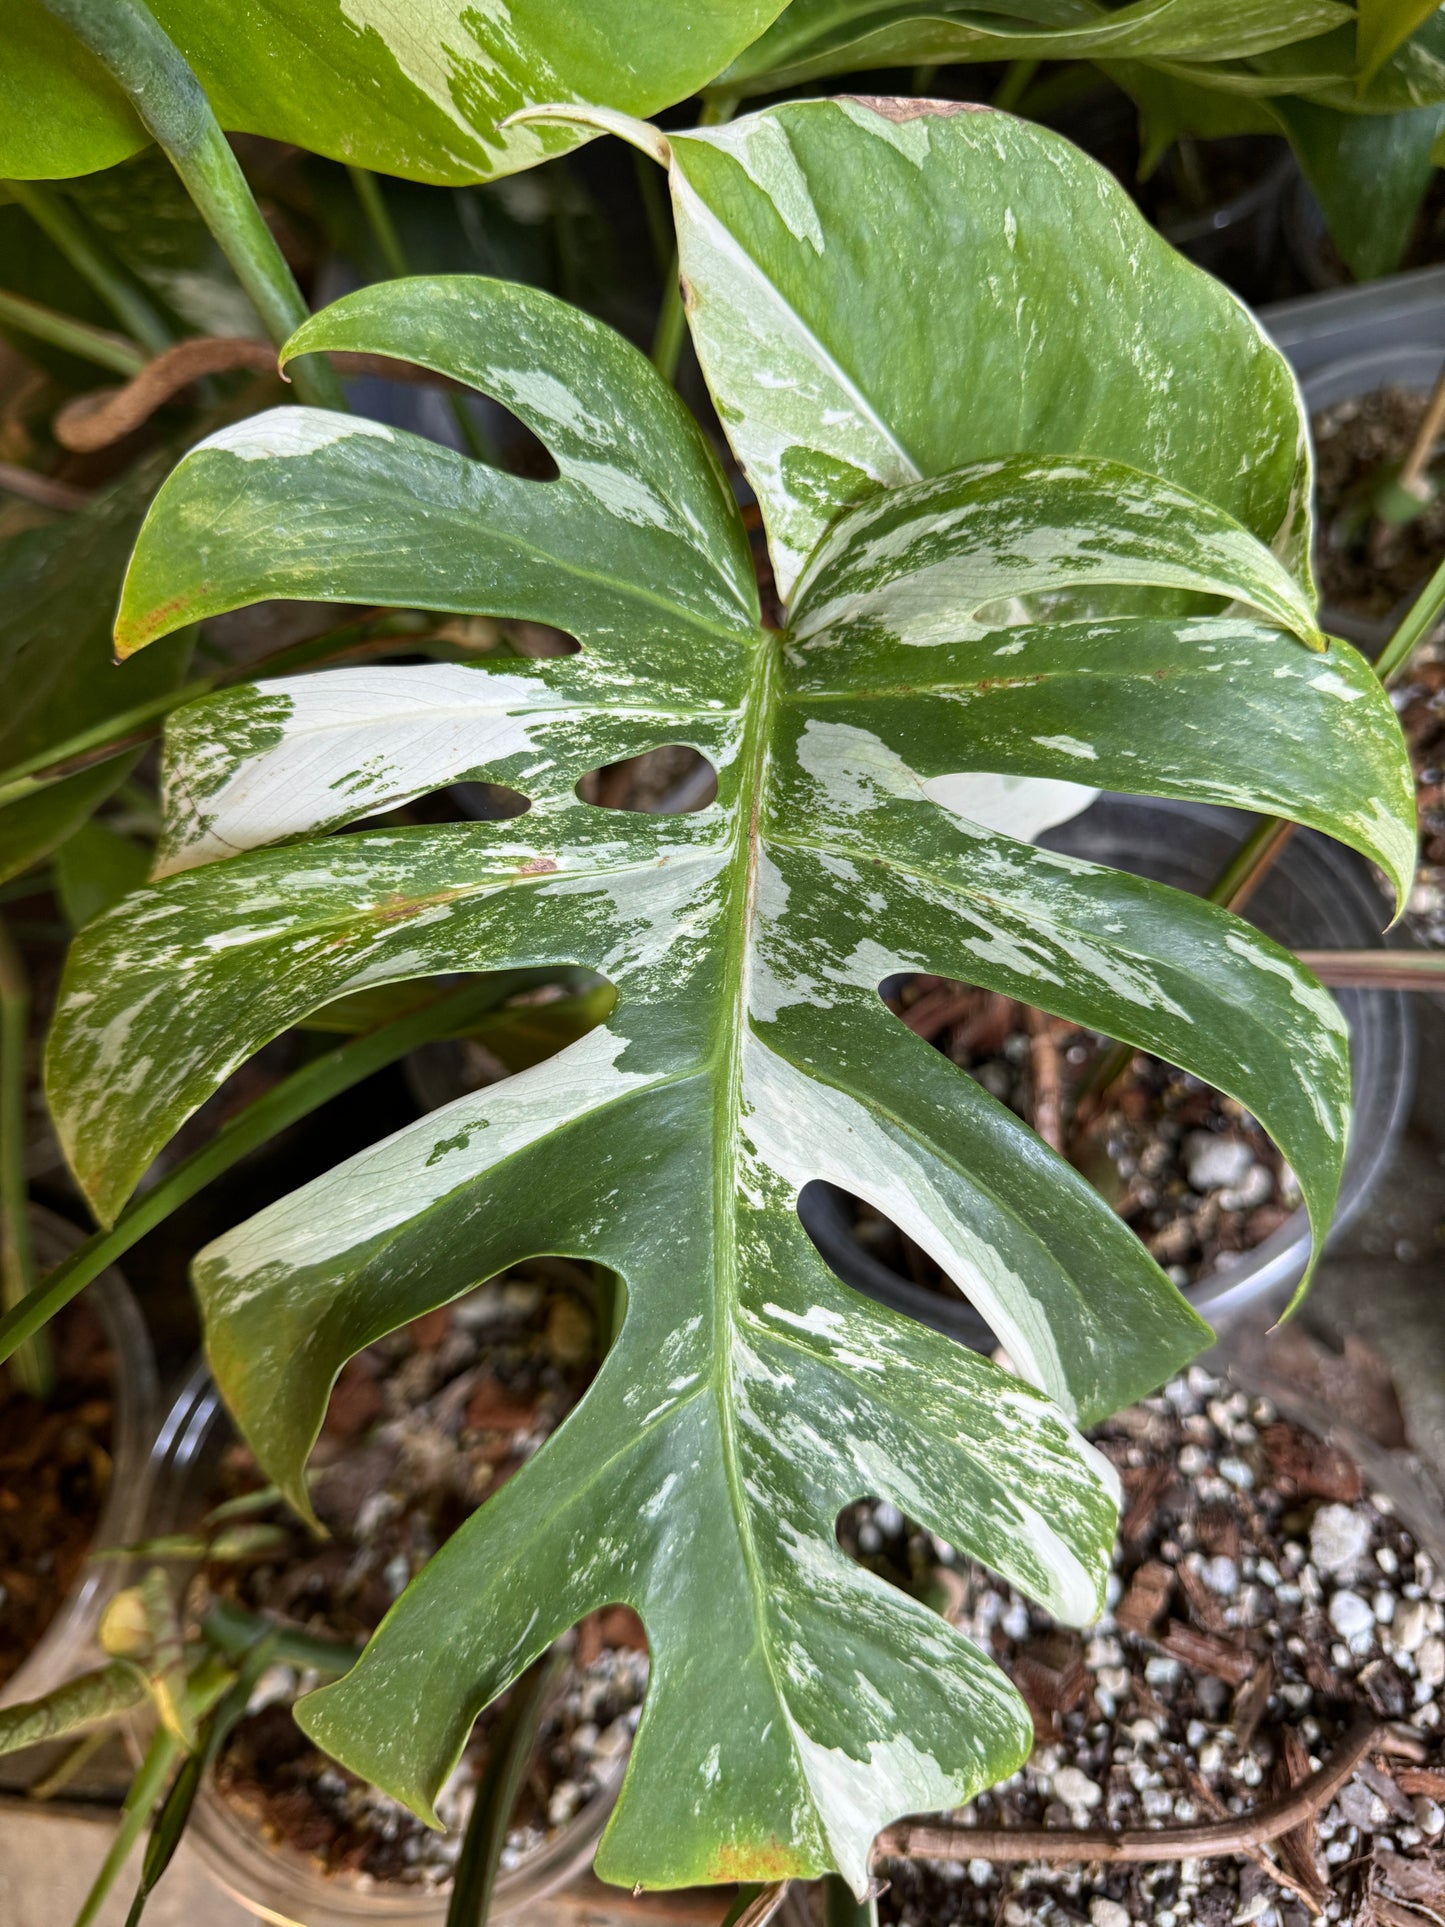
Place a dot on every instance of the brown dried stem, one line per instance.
(1048, 1089)
(106, 414)
(932, 1840)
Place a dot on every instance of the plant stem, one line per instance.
(672, 317)
(671, 326)
(296, 1097)
(144, 1790)
(1016, 81)
(922, 78)
(54, 215)
(932, 1840)
(100, 345)
(1419, 621)
(1377, 969)
(235, 1632)
(654, 210)
(389, 243)
(1432, 423)
(378, 219)
(17, 1253)
(148, 66)
(41, 490)
(501, 1781)
(211, 1679)
(1246, 869)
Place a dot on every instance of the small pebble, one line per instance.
(1363, 1809)
(1430, 1662)
(1221, 1575)
(1212, 1162)
(1429, 1815)
(1076, 1789)
(1338, 1537)
(1352, 1618)
(1409, 1626)
(1107, 1913)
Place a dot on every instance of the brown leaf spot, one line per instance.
(892, 107)
(537, 866)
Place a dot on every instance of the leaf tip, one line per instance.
(640, 134)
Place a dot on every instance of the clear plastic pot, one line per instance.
(269, 1881)
(1318, 896)
(1412, 366)
(68, 1645)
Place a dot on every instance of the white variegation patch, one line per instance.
(283, 433)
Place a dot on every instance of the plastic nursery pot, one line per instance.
(69, 1645)
(1318, 896)
(273, 1882)
(1414, 367)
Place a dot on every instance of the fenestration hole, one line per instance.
(869, 1252)
(673, 780)
(456, 803)
(1186, 1167)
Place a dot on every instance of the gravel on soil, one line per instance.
(1260, 1594)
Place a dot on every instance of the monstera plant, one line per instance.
(1036, 498)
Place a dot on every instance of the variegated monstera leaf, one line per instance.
(1035, 493)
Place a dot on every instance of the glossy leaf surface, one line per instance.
(825, 397)
(411, 87)
(819, 37)
(1027, 612)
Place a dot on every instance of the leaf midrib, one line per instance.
(741, 886)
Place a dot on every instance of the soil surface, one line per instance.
(422, 1427)
(1260, 1595)
(1188, 1169)
(1364, 567)
(1421, 705)
(55, 1473)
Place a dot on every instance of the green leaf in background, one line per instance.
(1369, 174)
(1361, 98)
(94, 869)
(58, 589)
(1384, 26)
(813, 38)
(141, 210)
(1026, 610)
(417, 88)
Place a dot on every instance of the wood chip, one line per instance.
(1421, 1779)
(1250, 1702)
(1207, 1653)
(1206, 1608)
(1298, 1850)
(1141, 1608)
(1146, 1490)
(1051, 1674)
(1307, 1467)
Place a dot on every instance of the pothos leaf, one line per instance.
(417, 89)
(817, 37)
(1384, 26)
(826, 397)
(1051, 602)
